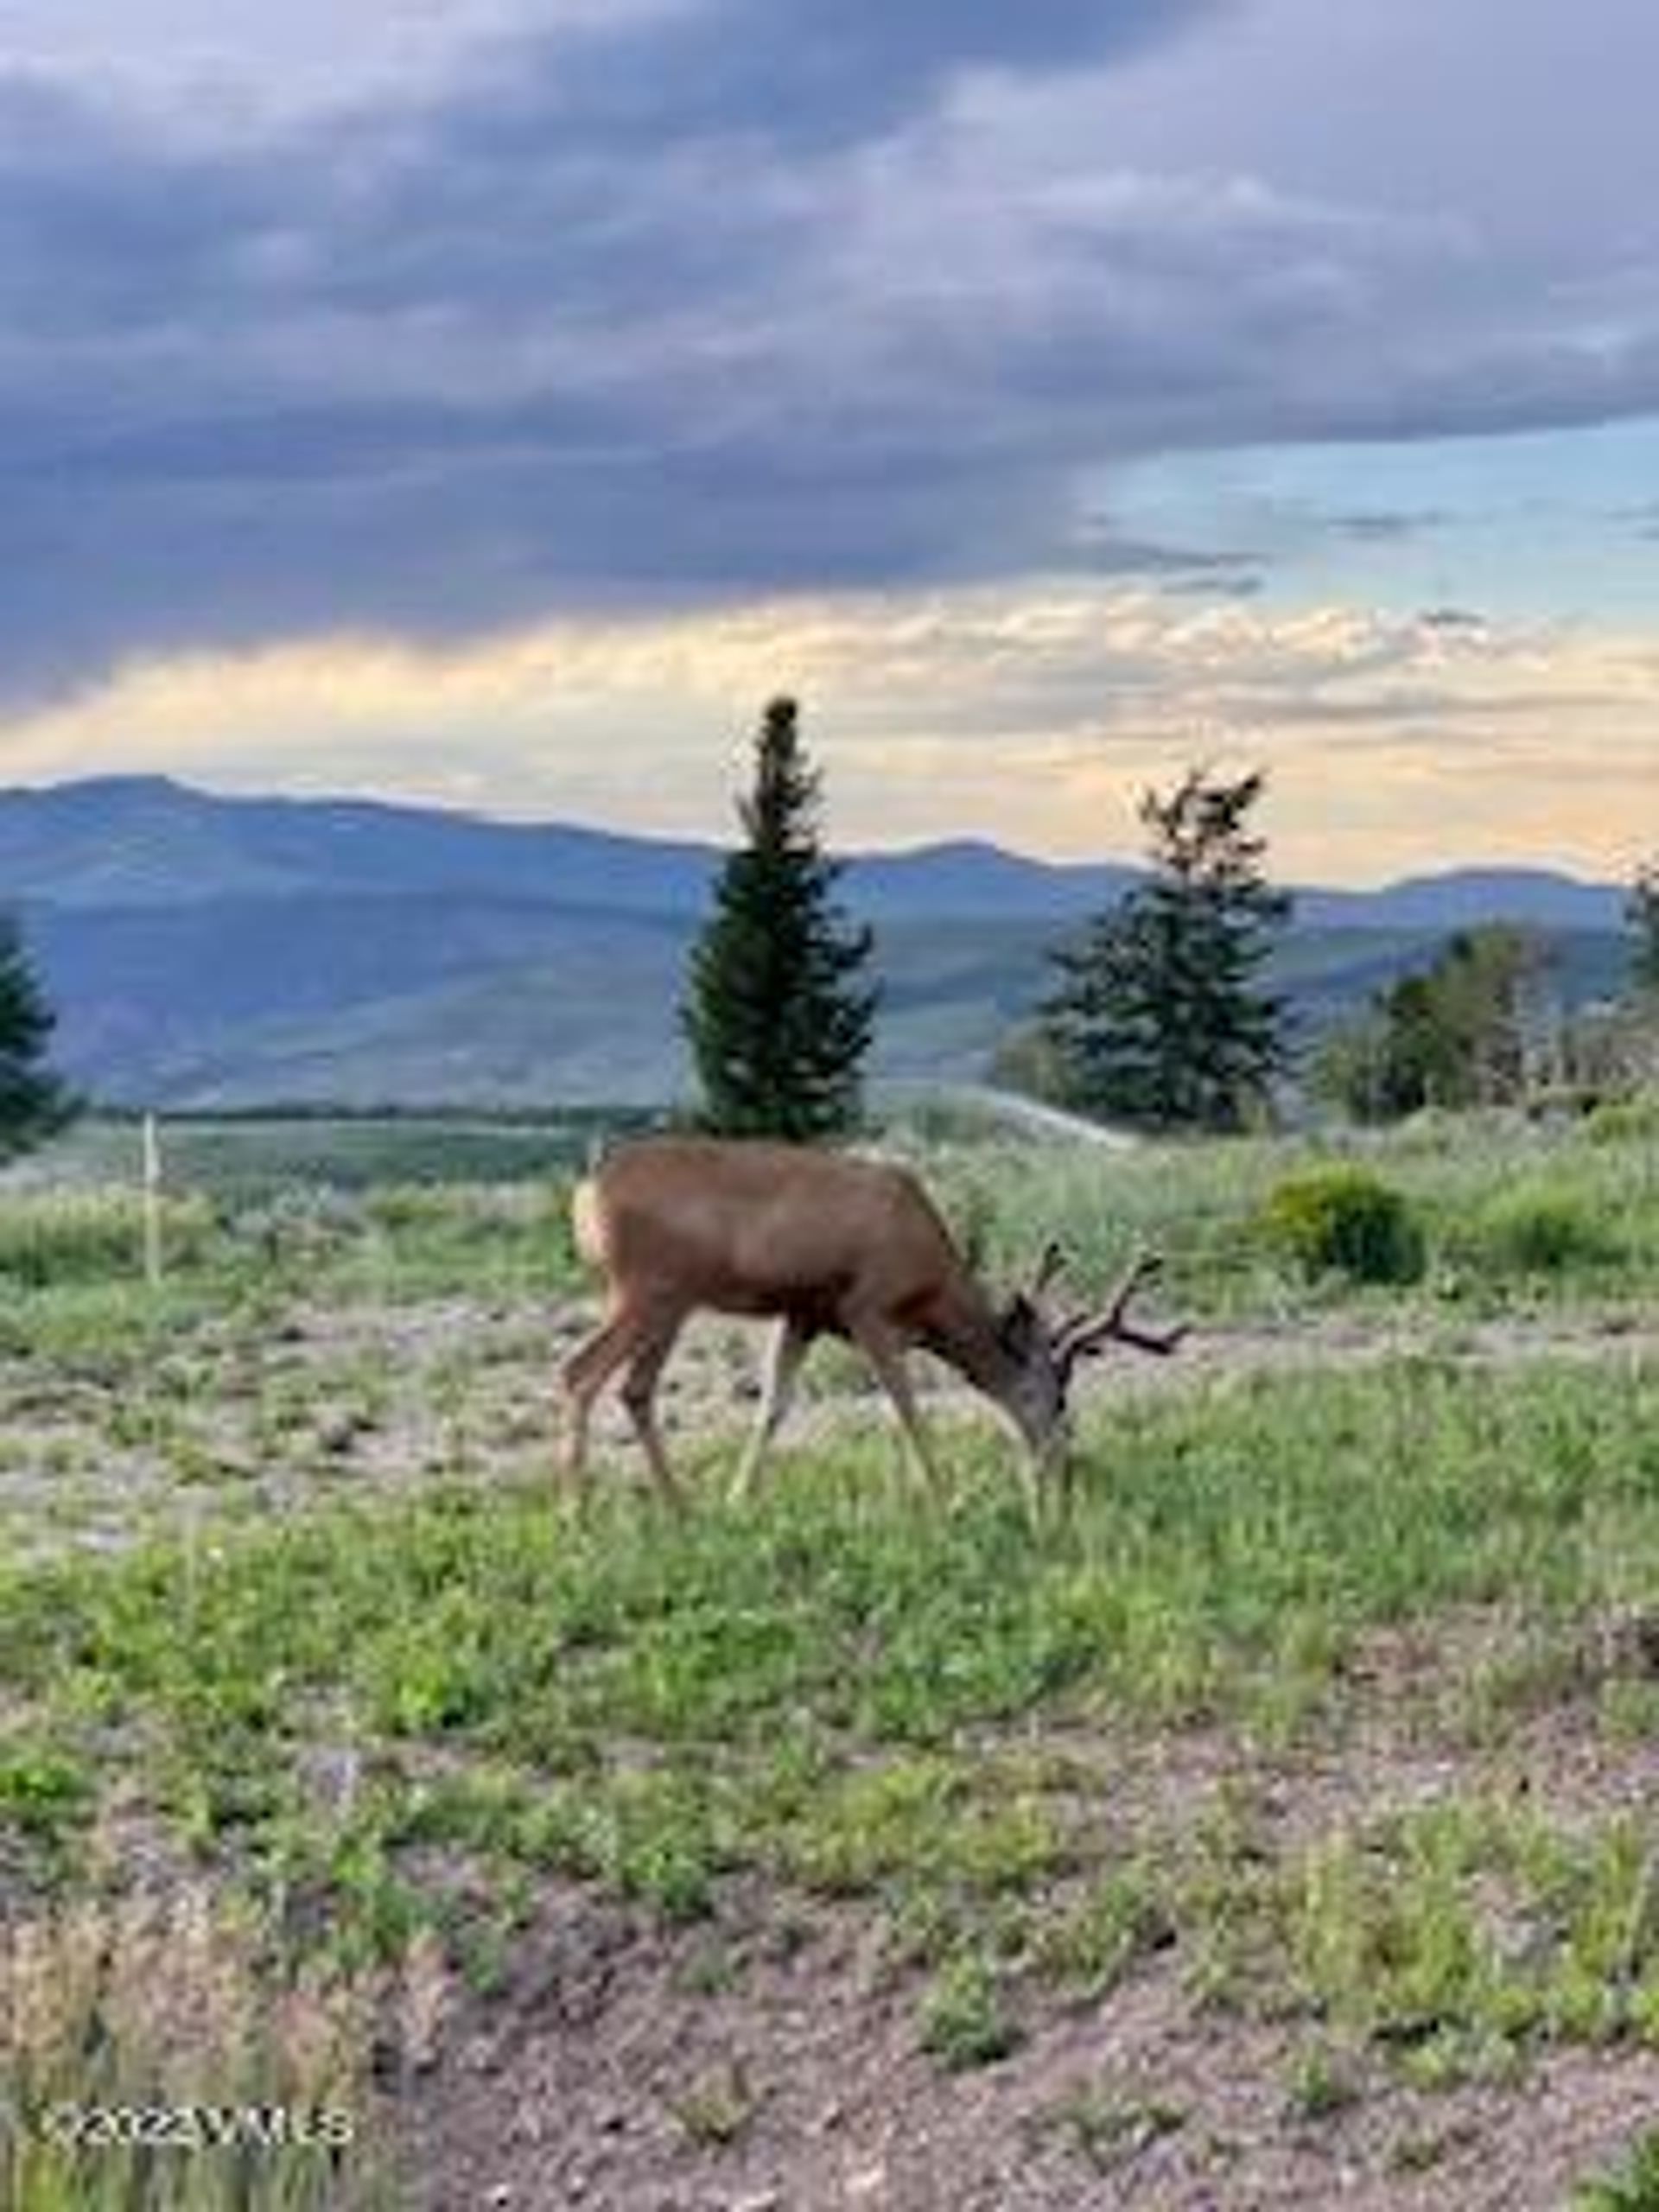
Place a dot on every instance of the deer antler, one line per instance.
(1086, 1334)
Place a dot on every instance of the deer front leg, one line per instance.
(790, 1343)
(651, 1352)
(584, 1375)
(884, 1347)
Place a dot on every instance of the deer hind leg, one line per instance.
(584, 1375)
(650, 1350)
(885, 1350)
(790, 1341)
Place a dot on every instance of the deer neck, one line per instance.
(961, 1330)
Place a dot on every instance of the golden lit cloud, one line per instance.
(1030, 715)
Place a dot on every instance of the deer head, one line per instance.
(1043, 1352)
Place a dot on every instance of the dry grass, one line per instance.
(153, 2059)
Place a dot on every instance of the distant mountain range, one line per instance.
(203, 950)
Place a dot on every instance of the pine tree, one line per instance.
(1642, 910)
(33, 1104)
(1159, 1018)
(1464, 1032)
(778, 1021)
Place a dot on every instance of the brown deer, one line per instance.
(829, 1245)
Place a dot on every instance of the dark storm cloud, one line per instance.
(549, 338)
(812, 74)
(731, 296)
(97, 232)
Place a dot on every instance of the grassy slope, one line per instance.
(381, 1716)
(364, 999)
(857, 1700)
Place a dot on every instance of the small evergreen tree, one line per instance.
(1642, 910)
(1159, 1018)
(1464, 1033)
(33, 1104)
(778, 1021)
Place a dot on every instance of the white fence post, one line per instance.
(152, 1202)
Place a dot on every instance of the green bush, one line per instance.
(1539, 1229)
(1622, 1120)
(1344, 1221)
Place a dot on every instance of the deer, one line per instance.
(824, 1244)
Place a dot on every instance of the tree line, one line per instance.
(1160, 1014)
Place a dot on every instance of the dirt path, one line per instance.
(1035, 1119)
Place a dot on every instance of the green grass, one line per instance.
(802, 1687)
(78, 1256)
(1109, 2123)
(964, 2022)
(1461, 1937)
(384, 1717)
(1514, 1215)
(1476, 1185)
(157, 2016)
(243, 1158)
(1633, 2186)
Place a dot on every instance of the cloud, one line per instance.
(807, 73)
(1451, 617)
(1393, 742)
(700, 300)
(1385, 526)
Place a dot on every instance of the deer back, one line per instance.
(751, 1227)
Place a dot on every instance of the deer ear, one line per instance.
(1017, 1325)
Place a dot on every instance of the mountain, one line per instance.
(211, 951)
(145, 841)
(1466, 896)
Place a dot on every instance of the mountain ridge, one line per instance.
(208, 951)
(281, 843)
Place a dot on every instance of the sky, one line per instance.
(493, 402)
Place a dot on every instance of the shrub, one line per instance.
(1344, 1221)
(303, 1224)
(963, 2023)
(1540, 1231)
(1621, 1120)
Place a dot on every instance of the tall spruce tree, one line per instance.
(1160, 1018)
(33, 1104)
(778, 1020)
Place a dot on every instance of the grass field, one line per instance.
(1285, 1808)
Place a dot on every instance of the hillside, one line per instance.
(210, 950)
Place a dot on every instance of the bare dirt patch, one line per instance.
(770, 2059)
(770, 2062)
